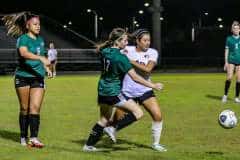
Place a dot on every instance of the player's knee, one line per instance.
(158, 116)
(138, 114)
(34, 109)
(229, 78)
(23, 110)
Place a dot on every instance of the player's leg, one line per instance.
(51, 67)
(36, 97)
(23, 97)
(237, 89)
(54, 68)
(230, 71)
(153, 108)
(97, 130)
(134, 113)
(22, 90)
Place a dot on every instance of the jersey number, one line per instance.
(106, 64)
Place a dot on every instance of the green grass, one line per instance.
(190, 104)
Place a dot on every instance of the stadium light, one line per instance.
(95, 22)
(140, 11)
(146, 4)
(219, 19)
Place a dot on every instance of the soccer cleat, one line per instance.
(237, 100)
(34, 142)
(159, 148)
(23, 141)
(111, 132)
(87, 148)
(224, 99)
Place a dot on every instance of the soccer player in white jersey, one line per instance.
(144, 60)
(52, 57)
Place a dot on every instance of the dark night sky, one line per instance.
(177, 13)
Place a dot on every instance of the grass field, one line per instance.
(190, 104)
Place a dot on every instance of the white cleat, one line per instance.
(237, 100)
(34, 142)
(159, 148)
(23, 141)
(111, 132)
(224, 99)
(87, 148)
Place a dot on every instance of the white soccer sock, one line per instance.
(156, 131)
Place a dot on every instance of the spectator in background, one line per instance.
(52, 57)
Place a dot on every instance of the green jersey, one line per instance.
(27, 67)
(114, 66)
(233, 46)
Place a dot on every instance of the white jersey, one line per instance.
(131, 88)
(52, 54)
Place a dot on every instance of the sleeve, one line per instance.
(21, 42)
(227, 43)
(153, 56)
(129, 53)
(124, 64)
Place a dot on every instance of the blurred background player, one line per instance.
(232, 61)
(114, 67)
(52, 57)
(144, 60)
(29, 75)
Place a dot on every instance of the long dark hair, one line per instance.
(16, 23)
(115, 35)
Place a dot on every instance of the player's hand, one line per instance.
(225, 66)
(44, 60)
(158, 86)
(49, 72)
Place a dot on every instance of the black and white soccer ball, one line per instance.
(227, 119)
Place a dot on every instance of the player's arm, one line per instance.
(145, 68)
(139, 79)
(226, 58)
(226, 55)
(28, 55)
(49, 72)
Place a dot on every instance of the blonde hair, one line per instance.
(16, 23)
(116, 35)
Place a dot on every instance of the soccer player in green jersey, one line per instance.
(232, 61)
(114, 67)
(29, 75)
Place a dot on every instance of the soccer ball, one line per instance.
(227, 119)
